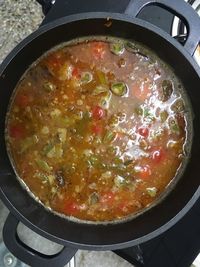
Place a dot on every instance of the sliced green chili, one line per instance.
(99, 90)
(117, 48)
(86, 77)
(102, 77)
(108, 137)
(119, 88)
(43, 165)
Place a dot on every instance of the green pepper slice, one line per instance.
(119, 88)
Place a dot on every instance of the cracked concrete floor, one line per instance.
(18, 18)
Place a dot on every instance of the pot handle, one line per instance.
(46, 5)
(29, 255)
(177, 7)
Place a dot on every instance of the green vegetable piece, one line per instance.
(86, 77)
(81, 125)
(119, 88)
(93, 198)
(163, 115)
(146, 112)
(64, 121)
(47, 148)
(105, 100)
(102, 77)
(108, 137)
(45, 130)
(174, 127)
(118, 161)
(51, 179)
(52, 152)
(49, 87)
(100, 89)
(28, 142)
(55, 152)
(119, 181)
(151, 191)
(78, 115)
(55, 113)
(42, 176)
(117, 48)
(62, 134)
(87, 152)
(166, 90)
(148, 115)
(43, 165)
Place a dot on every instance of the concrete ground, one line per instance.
(18, 18)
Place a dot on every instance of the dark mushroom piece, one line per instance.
(60, 178)
(166, 90)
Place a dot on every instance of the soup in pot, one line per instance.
(96, 129)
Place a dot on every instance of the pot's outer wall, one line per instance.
(151, 223)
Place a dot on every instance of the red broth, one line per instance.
(96, 129)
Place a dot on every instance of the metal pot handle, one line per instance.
(177, 7)
(46, 5)
(29, 255)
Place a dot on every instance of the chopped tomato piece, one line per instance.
(76, 73)
(143, 131)
(142, 91)
(17, 131)
(71, 207)
(98, 113)
(23, 100)
(97, 129)
(98, 49)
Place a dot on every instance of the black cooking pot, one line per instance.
(159, 218)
